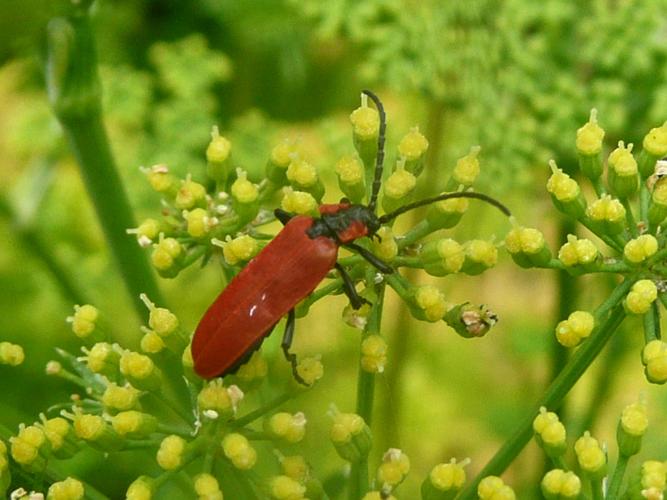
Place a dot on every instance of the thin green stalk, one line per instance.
(254, 415)
(75, 95)
(617, 478)
(359, 482)
(630, 218)
(554, 395)
(644, 200)
(596, 489)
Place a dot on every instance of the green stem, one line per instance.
(630, 218)
(559, 388)
(596, 489)
(617, 478)
(359, 481)
(252, 416)
(644, 199)
(74, 92)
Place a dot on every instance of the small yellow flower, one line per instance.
(11, 354)
(590, 135)
(310, 369)
(302, 174)
(207, 487)
(69, 489)
(240, 249)
(298, 202)
(243, 190)
(219, 148)
(431, 301)
(120, 398)
(655, 142)
(467, 167)
(400, 183)
(291, 428)
(393, 469)
(190, 194)
(141, 488)
(590, 455)
(493, 488)
(365, 121)
(373, 354)
(413, 145)
(642, 294)
(239, 451)
(562, 186)
(170, 455)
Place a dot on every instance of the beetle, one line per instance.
(289, 268)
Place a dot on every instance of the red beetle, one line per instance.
(288, 269)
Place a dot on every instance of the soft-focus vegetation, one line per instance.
(276, 81)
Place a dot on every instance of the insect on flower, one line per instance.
(289, 268)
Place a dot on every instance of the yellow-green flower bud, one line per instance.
(281, 157)
(134, 424)
(140, 371)
(238, 450)
(642, 294)
(572, 331)
(170, 456)
(550, 433)
(160, 179)
(590, 456)
(146, 232)
(303, 177)
(365, 130)
(578, 252)
(470, 321)
(653, 475)
(120, 398)
(654, 357)
(69, 489)
(655, 147)
(207, 487)
(29, 447)
(657, 210)
(295, 466)
(641, 248)
(199, 223)
(104, 359)
(444, 481)
(480, 255)
(215, 396)
(631, 428)
(351, 178)
(558, 484)
(97, 432)
(167, 256)
(378, 495)
(254, 370)
(84, 321)
(245, 197)
(467, 168)
(141, 488)
(565, 193)
(398, 188)
(527, 246)
(286, 488)
(61, 436)
(53, 368)
(11, 354)
(373, 354)
(190, 195)
(447, 213)
(350, 436)
(385, 247)
(283, 425)
(413, 148)
(310, 370)
(240, 249)
(218, 155)
(589, 146)
(493, 488)
(622, 172)
(442, 257)
(298, 202)
(151, 342)
(430, 302)
(607, 215)
(393, 469)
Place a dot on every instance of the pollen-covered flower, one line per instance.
(480, 255)
(431, 303)
(655, 142)
(160, 179)
(239, 451)
(170, 456)
(493, 488)
(310, 369)
(565, 192)
(103, 358)
(140, 371)
(385, 247)
(622, 171)
(190, 194)
(442, 257)
(84, 320)
(558, 484)
(239, 249)
(298, 202)
(365, 121)
(69, 489)
(11, 354)
(393, 469)
(207, 487)
(120, 398)
(141, 488)
(134, 423)
(373, 354)
(216, 397)
(351, 177)
(527, 246)
(631, 428)
(578, 252)
(467, 167)
(589, 138)
(397, 187)
(283, 425)
(167, 256)
(199, 222)
(446, 213)
(607, 215)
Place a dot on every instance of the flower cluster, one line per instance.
(629, 215)
(564, 482)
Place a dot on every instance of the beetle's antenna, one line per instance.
(446, 196)
(379, 159)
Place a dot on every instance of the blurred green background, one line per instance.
(515, 76)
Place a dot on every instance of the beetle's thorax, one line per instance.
(346, 224)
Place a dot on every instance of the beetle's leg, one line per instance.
(348, 287)
(287, 343)
(282, 215)
(370, 257)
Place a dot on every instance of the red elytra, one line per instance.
(282, 274)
